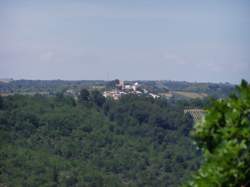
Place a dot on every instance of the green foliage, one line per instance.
(84, 95)
(94, 97)
(1, 102)
(53, 141)
(224, 137)
(97, 98)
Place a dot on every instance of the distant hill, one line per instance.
(179, 88)
(188, 89)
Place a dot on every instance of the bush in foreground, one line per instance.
(224, 137)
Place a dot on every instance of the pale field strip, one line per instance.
(192, 95)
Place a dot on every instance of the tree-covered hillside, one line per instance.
(56, 141)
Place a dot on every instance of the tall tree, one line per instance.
(97, 98)
(84, 95)
(1, 102)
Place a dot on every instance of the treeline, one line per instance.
(50, 86)
(57, 141)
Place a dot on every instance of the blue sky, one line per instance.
(204, 41)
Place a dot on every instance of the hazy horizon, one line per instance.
(194, 41)
(132, 80)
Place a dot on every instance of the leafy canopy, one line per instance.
(224, 137)
(57, 141)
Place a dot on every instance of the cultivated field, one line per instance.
(191, 95)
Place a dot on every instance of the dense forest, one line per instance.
(58, 141)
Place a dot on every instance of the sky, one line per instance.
(195, 40)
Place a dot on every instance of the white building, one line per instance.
(154, 95)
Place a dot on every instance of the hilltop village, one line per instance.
(115, 89)
(121, 89)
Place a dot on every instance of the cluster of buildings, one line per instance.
(124, 89)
